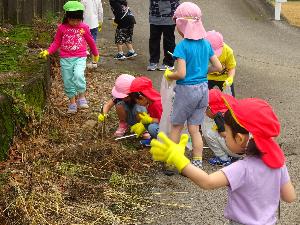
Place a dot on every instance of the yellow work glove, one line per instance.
(138, 129)
(102, 117)
(43, 54)
(170, 152)
(100, 26)
(167, 73)
(145, 118)
(96, 58)
(228, 82)
(114, 24)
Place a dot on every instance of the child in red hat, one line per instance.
(126, 107)
(145, 95)
(255, 184)
(213, 131)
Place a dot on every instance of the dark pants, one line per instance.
(168, 43)
(94, 33)
(219, 84)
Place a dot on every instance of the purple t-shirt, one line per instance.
(254, 191)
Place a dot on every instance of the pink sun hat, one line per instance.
(216, 40)
(188, 21)
(122, 86)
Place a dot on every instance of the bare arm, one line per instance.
(231, 72)
(216, 66)
(287, 192)
(108, 106)
(204, 180)
(180, 70)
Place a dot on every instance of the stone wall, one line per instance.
(12, 117)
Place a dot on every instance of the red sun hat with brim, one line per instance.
(216, 103)
(144, 85)
(257, 117)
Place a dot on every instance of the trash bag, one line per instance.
(167, 98)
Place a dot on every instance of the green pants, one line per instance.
(72, 70)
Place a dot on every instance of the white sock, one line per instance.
(121, 53)
(131, 51)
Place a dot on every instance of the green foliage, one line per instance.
(69, 169)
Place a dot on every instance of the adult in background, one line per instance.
(161, 22)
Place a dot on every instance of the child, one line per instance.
(126, 107)
(71, 38)
(226, 57)
(93, 16)
(124, 19)
(255, 184)
(213, 131)
(145, 95)
(193, 54)
(161, 23)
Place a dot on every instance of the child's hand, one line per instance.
(167, 73)
(138, 129)
(228, 82)
(96, 58)
(169, 152)
(100, 26)
(145, 118)
(102, 117)
(44, 54)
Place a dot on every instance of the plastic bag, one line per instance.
(167, 98)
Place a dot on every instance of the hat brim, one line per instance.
(152, 94)
(117, 94)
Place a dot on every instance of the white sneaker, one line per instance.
(163, 67)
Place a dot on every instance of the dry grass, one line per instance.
(61, 171)
(291, 11)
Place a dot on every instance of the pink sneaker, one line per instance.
(121, 130)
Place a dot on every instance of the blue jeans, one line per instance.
(132, 112)
(94, 33)
(153, 129)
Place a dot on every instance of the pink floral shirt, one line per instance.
(72, 41)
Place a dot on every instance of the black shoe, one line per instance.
(130, 55)
(120, 56)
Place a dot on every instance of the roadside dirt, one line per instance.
(291, 11)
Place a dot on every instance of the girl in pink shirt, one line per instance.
(71, 39)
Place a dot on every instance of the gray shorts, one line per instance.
(189, 104)
(132, 112)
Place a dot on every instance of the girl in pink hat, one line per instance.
(225, 55)
(126, 107)
(193, 55)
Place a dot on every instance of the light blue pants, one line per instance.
(132, 112)
(72, 70)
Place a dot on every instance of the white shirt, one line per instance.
(93, 12)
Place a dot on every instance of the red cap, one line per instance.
(216, 103)
(257, 117)
(144, 85)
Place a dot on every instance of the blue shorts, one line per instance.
(132, 112)
(189, 104)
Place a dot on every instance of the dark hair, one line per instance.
(136, 95)
(72, 15)
(236, 128)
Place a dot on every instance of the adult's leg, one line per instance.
(94, 33)
(154, 43)
(168, 44)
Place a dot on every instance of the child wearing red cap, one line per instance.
(255, 184)
(145, 95)
(126, 107)
(213, 131)
(225, 55)
(193, 55)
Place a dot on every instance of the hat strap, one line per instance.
(250, 137)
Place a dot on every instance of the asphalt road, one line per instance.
(268, 67)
